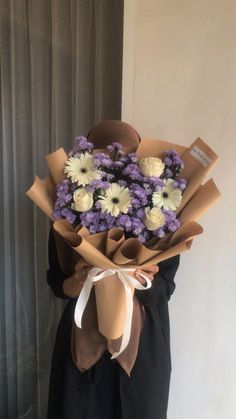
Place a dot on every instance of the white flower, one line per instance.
(83, 200)
(154, 218)
(81, 169)
(152, 166)
(116, 199)
(169, 197)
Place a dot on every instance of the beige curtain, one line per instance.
(60, 74)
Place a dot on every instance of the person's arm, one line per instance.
(55, 275)
(163, 284)
(62, 285)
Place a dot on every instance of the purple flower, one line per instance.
(102, 159)
(182, 183)
(124, 159)
(169, 214)
(133, 157)
(173, 163)
(168, 161)
(124, 221)
(102, 227)
(159, 232)
(137, 225)
(170, 153)
(140, 213)
(68, 215)
(144, 236)
(89, 217)
(178, 161)
(109, 176)
(172, 223)
(97, 184)
(147, 188)
(133, 171)
(97, 221)
(114, 147)
(141, 195)
(122, 182)
(155, 181)
(168, 173)
(63, 186)
(118, 164)
(98, 205)
(109, 220)
(57, 214)
(136, 186)
(67, 197)
(82, 144)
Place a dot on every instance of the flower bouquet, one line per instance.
(120, 211)
(104, 190)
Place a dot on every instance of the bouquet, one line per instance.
(120, 211)
(103, 190)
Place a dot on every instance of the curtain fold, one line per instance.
(60, 73)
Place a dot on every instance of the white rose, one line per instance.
(152, 166)
(154, 218)
(83, 200)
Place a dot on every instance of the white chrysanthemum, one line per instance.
(81, 169)
(169, 197)
(116, 199)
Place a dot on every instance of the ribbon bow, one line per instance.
(128, 281)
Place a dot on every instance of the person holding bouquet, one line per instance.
(105, 390)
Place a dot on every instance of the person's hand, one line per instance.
(73, 285)
(81, 271)
(149, 271)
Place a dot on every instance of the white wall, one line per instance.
(179, 82)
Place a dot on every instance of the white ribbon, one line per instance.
(128, 281)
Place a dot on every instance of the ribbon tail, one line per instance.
(82, 301)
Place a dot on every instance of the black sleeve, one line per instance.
(55, 276)
(163, 284)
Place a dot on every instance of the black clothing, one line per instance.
(105, 391)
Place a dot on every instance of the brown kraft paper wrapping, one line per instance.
(110, 249)
(127, 254)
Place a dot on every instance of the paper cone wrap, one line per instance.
(110, 302)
